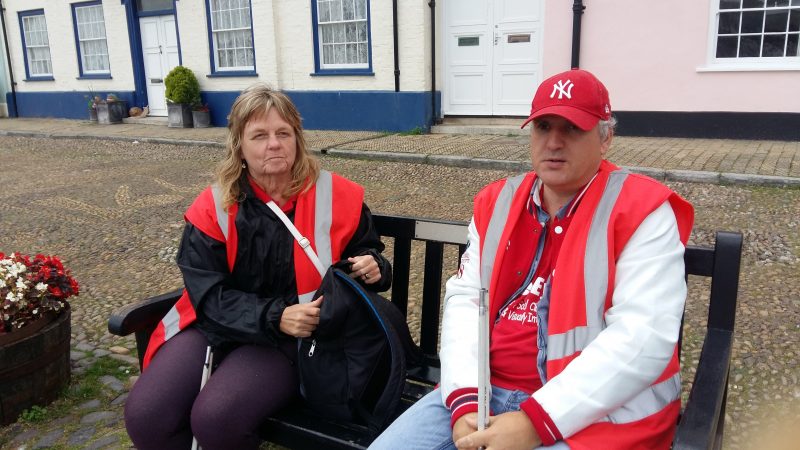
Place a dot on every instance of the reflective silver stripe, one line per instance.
(171, 322)
(595, 261)
(565, 344)
(648, 402)
(307, 297)
(323, 217)
(497, 223)
(222, 216)
(595, 275)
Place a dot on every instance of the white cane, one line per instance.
(206, 374)
(484, 391)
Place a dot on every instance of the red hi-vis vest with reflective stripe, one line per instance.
(327, 215)
(611, 210)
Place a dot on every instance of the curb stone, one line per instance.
(450, 161)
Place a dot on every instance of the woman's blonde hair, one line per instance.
(253, 101)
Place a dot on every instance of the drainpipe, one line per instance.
(577, 12)
(434, 119)
(396, 48)
(8, 58)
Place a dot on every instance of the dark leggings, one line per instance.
(250, 384)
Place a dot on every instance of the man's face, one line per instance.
(564, 156)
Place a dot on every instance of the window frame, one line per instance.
(759, 63)
(83, 73)
(319, 66)
(28, 13)
(217, 71)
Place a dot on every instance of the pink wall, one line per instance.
(648, 53)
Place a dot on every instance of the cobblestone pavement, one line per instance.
(730, 161)
(113, 211)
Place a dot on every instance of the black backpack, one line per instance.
(353, 367)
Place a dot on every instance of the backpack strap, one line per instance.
(305, 244)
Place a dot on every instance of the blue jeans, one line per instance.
(426, 425)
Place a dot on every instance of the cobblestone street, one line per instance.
(113, 211)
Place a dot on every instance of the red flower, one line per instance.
(27, 294)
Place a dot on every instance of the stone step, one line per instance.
(502, 130)
(149, 120)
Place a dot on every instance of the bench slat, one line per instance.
(401, 271)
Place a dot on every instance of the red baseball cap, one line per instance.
(575, 95)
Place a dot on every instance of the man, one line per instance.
(583, 264)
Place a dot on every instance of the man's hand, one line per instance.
(366, 268)
(511, 430)
(466, 424)
(301, 319)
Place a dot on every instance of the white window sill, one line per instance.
(749, 68)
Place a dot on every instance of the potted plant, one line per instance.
(92, 103)
(182, 91)
(201, 115)
(34, 331)
(111, 110)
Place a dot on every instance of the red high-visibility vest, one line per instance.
(327, 215)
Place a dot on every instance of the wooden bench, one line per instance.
(702, 420)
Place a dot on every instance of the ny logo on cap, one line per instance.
(563, 89)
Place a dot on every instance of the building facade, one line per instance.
(730, 69)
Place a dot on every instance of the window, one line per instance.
(232, 35)
(90, 38)
(154, 5)
(763, 32)
(342, 34)
(35, 44)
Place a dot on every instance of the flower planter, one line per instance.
(93, 114)
(201, 119)
(34, 365)
(112, 112)
(179, 115)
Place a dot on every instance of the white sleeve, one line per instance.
(642, 330)
(459, 342)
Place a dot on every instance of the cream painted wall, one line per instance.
(64, 57)
(193, 32)
(283, 43)
(296, 52)
(648, 54)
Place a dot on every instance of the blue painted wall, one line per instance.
(345, 110)
(64, 105)
(321, 110)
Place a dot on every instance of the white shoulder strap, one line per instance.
(304, 243)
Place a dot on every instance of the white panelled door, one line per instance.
(492, 64)
(160, 51)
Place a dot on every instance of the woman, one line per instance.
(249, 284)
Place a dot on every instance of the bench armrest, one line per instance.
(142, 318)
(702, 422)
(142, 315)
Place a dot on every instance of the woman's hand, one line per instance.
(301, 319)
(366, 268)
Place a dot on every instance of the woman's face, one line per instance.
(269, 146)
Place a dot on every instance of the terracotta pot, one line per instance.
(34, 365)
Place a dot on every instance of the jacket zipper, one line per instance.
(313, 346)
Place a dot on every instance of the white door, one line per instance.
(492, 63)
(160, 51)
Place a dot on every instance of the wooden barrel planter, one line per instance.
(34, 366)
